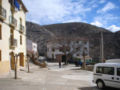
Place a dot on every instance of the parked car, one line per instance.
(71, 61)
(107, 75)
(42, 59)
(78, 63)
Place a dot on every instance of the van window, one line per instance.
(118, 71)
(99, 70)
(108, 70)
(105, 70)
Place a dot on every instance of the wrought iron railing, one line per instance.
(2, 12)
(13, 42)
(21, 28)
(12, 21)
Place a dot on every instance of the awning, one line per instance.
(17, 5)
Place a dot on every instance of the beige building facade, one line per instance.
(12, 34)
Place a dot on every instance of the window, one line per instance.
(21, 21)
(60, 49)
(0, 2)
(0, 56)
(108, 70)
(78, 48)
(11, 36)
(77, 42)
(20, 40)
(0, 32)
(85, 42)
(21, 27)
(53, 49)
(105, 70)
(47, 49)
(118, 71)
(99, 70)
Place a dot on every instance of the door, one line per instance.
(21, 59)
(12, 60)
(117, 77)
(109, 76)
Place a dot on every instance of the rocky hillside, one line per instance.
(41, 34)
(117, 44)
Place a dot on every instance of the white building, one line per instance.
(78, 47)
(53, 49)
(12, 34)
(74, 47)
(31, 47)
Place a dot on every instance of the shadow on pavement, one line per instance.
(76, 68)
(95, 88)
(88, 88)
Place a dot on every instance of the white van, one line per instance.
(107, 74)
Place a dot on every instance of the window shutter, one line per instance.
(0, 32)
(20, 39)
(0, 2)
(0, 56)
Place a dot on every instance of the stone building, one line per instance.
(73, 47)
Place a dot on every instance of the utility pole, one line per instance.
(102, 48)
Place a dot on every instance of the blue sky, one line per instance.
(102, 13)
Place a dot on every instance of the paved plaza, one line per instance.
(51, 78)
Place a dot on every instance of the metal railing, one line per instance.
(13, 21)
(21, 28)
(2, 12)
(13, 42)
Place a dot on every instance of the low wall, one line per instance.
(4, 67)
(90, 67)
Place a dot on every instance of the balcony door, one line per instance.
(12, 60)
(0, 2)
(21, 59)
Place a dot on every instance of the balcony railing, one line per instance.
(2, 13)
(21, 28)
(13, 21)
(13, 43)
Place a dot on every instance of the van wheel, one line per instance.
(100, 84)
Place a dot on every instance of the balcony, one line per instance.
(13, 43)
(2, 13)
(21, 28)
(12, 21)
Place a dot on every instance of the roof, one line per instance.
(113, 61)
(108, 64)
(23, 6)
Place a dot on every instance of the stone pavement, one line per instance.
(51, 78)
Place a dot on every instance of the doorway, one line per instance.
(12, 60)
(21, 55)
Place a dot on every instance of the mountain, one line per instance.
(117, 44)
(41, 34)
